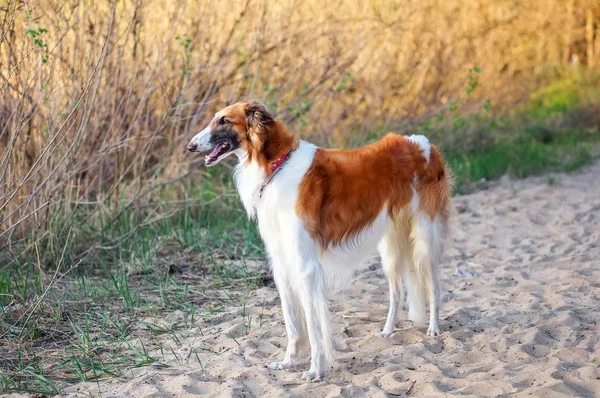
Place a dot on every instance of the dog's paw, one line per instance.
(280, 365)
(384, 334)
(434, 330)
(312, 376)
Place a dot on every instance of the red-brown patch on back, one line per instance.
(344, 191)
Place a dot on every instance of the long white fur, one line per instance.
(294, 257)
(341, 262)
(410, 247)
(423, 143)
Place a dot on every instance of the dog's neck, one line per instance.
(256, 167)
(276, 164)
(274, 141)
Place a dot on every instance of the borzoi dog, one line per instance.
(322, 213)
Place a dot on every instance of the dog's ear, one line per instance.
(257, 115)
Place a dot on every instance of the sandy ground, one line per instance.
(520, 315)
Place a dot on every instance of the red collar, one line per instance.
(273, 166)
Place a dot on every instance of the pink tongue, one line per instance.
(215, 151)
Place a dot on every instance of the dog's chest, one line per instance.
(269, 204)
(273, 204)
(248, 179)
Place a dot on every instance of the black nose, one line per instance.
(192, 147)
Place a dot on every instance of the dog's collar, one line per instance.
(275, 167)
(278, 162)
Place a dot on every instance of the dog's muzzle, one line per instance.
(192, 147)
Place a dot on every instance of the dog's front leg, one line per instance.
(294, 321)
(300, 281)
(311, 291)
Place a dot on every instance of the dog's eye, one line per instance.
(222, 120)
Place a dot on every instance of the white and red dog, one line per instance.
(322, 213)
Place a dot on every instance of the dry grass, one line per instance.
(99, 99)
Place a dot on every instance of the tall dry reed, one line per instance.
(99, 98)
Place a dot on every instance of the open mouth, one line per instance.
(220, 150)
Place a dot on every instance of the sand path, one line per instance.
(520, 315)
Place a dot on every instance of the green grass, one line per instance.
(87, 329)
(71, 301)
(68, 313)
(558, 130)
(523, 156)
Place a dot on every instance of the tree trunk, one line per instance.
(597, 45)
(569, 29)
(589, 36)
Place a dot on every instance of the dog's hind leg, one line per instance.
(396, 256)
(428, 238)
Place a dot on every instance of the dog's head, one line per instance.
(242, 128)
